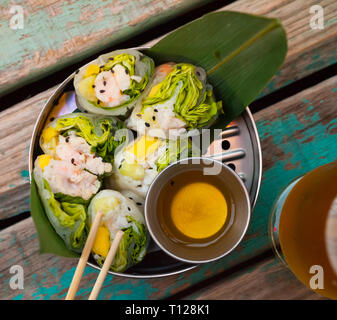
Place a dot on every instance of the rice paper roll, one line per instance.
(119, 213)
(113, 83)
(138, 163)
(66, 214)
(79, 152)
(178, 102)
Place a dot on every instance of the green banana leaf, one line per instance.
(240, 53)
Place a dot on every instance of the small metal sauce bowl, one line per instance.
(227, 241)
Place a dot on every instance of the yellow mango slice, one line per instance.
(102, 241)
(154, 90)
(92, 70)
(44, 160)
(49, 133)
(86, 89)
(143, 147)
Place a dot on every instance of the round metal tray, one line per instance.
(237, 145)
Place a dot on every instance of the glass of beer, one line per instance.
(303, 229)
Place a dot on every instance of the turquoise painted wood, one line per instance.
(56, 34)
(60, 33)
(268, 279)
(297, 135)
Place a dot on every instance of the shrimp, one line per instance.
(66, 178)
(109, 86)
(76, 150)
(165, 68)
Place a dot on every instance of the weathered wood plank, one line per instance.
(297, 135)
(49, 277)
(80, 29)
(17, 125)
(58, 33)
(267, 280)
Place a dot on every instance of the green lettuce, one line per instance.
(177, 150)
(99, 132)
(132, 248)
(70, 219)
(202, 114)
(61, 197)
(126, 60)
(195, 104)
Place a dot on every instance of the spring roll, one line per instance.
(113, 83)
(120, 213)
(78, 152)
(178, 102)
(137, 164)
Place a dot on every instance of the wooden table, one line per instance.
(296, 116)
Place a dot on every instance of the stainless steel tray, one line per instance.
(238, 146)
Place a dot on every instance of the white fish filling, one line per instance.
(109, 86)
(68, 173)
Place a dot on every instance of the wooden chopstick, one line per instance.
(106, 266)
(84, 257)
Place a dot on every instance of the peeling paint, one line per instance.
(65, 32)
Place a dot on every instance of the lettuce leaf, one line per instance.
(68, 219)
(107, 150)
(195, 104)
(139, 239)
(99, 132)
(202, 114)
(61, 197)
(49, 240)
(132, 248)
(126, 60)
(177, 150)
